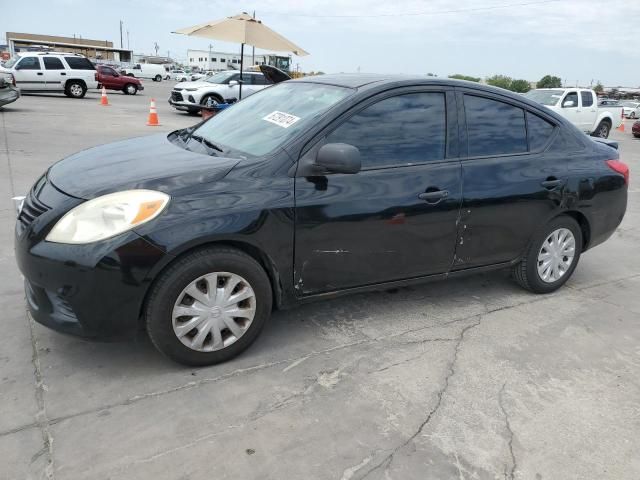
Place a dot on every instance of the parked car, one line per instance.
(9, 93)
(146, 70)
(309, 189)
(191, 96)
(602, 102)
(635, 129)
(112, 80)
(181, 76)
(631, 109)
(580, 107)
(70, 73)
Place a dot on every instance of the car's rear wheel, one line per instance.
(75, 89)
(208, 306)
(157, 78)
(130, 89)
(551, 257)
(183, 79)
(603, 129)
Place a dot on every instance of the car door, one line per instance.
(513, 182)
(571, 109)
(109, 77)
(29, 74)
(396, 218)
(589, 108)
(54, 73)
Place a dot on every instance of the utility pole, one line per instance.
(128, 46)
(121, 44)
(157, 47)
(253, 49)
(210, 47)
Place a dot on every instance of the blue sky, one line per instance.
(577, 40)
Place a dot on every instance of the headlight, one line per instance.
(107, 216)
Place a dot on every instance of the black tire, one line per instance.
(183, 79)
(130, 89)
(526, 272)
(75, 89)
(636, 135)
(603, 129)
(170, 284)
(632, 115)
(210, 100)
(157, 78)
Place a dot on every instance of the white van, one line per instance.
(146, 70)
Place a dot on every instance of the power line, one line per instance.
(415, 14)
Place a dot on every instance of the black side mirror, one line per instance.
(339, 158)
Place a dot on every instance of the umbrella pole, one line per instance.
(241, 61)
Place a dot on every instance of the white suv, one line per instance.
(70, 73)
(191, 96)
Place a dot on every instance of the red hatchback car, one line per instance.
(112, 80)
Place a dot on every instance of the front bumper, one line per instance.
(9, 95)
(94, 290)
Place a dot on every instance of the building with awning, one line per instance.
(93, 49)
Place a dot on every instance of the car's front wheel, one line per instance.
(551, 257)
(208, 306)
(130, 89)
(157, 78)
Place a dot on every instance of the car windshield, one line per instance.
(266, 120)
(221, 77)
(545, 97)
(11, 62)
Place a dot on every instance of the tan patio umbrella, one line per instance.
(243, 29)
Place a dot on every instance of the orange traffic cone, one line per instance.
(621, 127)
(153, 115)
(104, 101)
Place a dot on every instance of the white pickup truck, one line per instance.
(580, 107)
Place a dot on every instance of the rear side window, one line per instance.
(494, 127)
(53, 63)
(29, 63)
(400, 130)
(587, 99)
(539, 131)
(259, 80)
(79, 63)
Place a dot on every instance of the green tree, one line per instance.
(599, 88)
(549, 81)
(501, 81)
(459, 76)
(520, 86)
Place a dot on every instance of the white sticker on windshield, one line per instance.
(284, 120)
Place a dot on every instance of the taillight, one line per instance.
(621, 168)
(95, 77)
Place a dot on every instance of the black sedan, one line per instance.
(309, 189)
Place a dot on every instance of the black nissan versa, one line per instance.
(305, 190)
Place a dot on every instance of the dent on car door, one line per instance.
(395, 218)
(513, 181)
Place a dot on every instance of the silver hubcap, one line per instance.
(210, 102)
(76, 90)
(131, 89)
(214, 311)
(556, 255)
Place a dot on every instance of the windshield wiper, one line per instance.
(206, 142)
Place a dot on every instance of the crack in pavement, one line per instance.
(41, 417)
(386, 461)
(511, 475)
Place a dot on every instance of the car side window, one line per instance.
(259, 80)
(29, 63)
(53, 63)
(587, 99)
(235, 76)
(571, 97)
(538, 131)
(108, 71)
(79, 63)
(494, 127)
(401, 130)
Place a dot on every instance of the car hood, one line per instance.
(151, 162)
(196, 84)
